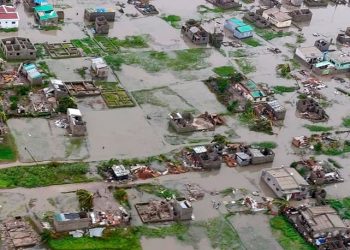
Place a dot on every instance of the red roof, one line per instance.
(8, 12)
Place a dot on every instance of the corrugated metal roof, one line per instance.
(245, 28)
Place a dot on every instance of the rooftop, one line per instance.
(8, 13)
(45, 12)
(310, 52)
(245, 28)
(73, 112)
(275, 105)
(287, 178)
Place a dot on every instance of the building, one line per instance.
(45, 15)
(296, 2)
(183, 209)
(311, 109)
(276, 109)
(238, 28)
(277, 17)
(57, 89)
(340, 60)
(323, 45)
(257, 19)
(321, 225)
(99, 68)
(30, 4)
(90, 14)
(18, 48)
(101, 25)
(76, 124)
(261, 155)
(185, 122)
(120, 173)
(243, 159)
(33, 75)
(286, 183)
(301, 15)
(65, 222)
(9, 17)
(195, 32)
(206, 158)
(225, 4)
(250, 91)
(309, 55)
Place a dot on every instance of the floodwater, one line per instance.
(143, 130)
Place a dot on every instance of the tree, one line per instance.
(66, 102)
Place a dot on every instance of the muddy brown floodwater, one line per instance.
(143, 130)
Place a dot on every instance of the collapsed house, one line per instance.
(250, 91)
(321, 226)
(101, 25)
(286, 183)
(310, 109)
(323, 45)
(344, 37)
(277, 17)
(301, 15)
(18, 48)
(56, 89)
(17, 233)
(202, 157)
(318, 172)
(272, 110)
(258, 20)
(99, 68)
(238, 28)
(225, 4)
(77, 126)
(90, 14)
(194, 31)
(316, 3)
(162, 211)
(216, 39)
(45, 15)
(186, 122)
(82, 88)
(144, 7)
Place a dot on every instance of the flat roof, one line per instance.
(311, 51)
(287, 178)
(75, 112)
(245, 28)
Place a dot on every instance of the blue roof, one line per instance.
(236, 21)
(29, 66)
(101, 10)
(41, 2)
(245, 28)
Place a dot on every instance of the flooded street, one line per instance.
(159, 87)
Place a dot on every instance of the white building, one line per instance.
(8, 17)
(277, 17)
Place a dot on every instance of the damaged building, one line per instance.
(65, 222)
(310, 109)
(272, 110)
(77, 126)
(193, 30)
(101, 25)
(321, 226)
(225, 4)
(308, 55)
(46, 15)
(301, 15)
(251, 91)
(30, 71)
(202, 157)
(99, 68)
(323, 45)
(120, 172)
(163, 210)
(254, 156)
(82, 88)
(277, 17)
(90, 14)
(258, 20)
(56, 89)
(286, 183)
(18, 48)
(185, 122)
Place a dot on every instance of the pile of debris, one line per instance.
(195, 192)
(310, 109)
(173, 168)
(144, 172)
(16, 233)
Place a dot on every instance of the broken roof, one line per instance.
(276, 106)
(199, 149)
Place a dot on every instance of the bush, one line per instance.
(122, 197)
(65, 103)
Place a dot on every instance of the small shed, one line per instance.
(242, 159)
(99, 68)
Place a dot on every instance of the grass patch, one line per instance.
(154, 61)
(254, 123)
(346, 122)
(158, 190)
(238, 53)
(300, 38)
(114, 95)
(202, 9)
(342, 207)
(46, 70)
(122, 197)
(265, 144)
(7, 30)
(245, 66)
(252, 42)
(318, 128)
(43, 175)
(178, 230)
(225, 71)
(173, 20)
(270, 34)
(130, 42)
(279, 89)
(287, 236)
(88, 45)
(50, 27)
(8, 151)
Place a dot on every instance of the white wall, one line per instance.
(8, 24)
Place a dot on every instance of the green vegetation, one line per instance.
(158, 190)
(115, 96)
(265, 144)
(342, 207)
(8, 151)
(122, 197)
(318, 128)
(8, 30)
(283, 70)
(131, 42)
(254, 123)
(117, 239)
(173, 20)
(287, 236)
(346, 122)
(238, 53)
(178, 230)
(154, 61)
(81, 71)
(40, 51)
(300, 38)
(202, 9)
(88, 45)
(45, 69)
(86, 200)
(225, 71)
(245, 66)
(333, 149)
(50, 27)
(279, 89)
(252, 42)
(270, 35)
(66, 102)
(43, 175)
(248, 1)
(106, 43)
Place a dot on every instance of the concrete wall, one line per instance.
(64, 226)
(91, 16)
